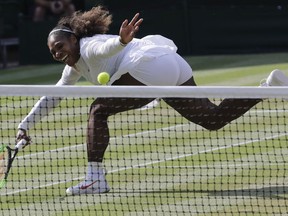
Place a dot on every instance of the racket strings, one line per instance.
(3, 164)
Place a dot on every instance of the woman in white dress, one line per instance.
(80, 42)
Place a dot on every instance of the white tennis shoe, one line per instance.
(90, 186)
(276, 78)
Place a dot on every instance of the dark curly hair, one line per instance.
(86, 24)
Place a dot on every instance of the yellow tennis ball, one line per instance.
(103, 78)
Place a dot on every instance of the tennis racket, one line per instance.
(7, 156)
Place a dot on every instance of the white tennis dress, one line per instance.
(151, 60)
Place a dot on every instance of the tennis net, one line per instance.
(157, 162)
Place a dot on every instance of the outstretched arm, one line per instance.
(46, 104)
(114, 45)
(40, 110)
(128, 30)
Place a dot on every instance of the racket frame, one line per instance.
(11, 158)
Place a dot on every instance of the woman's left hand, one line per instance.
(128, 30)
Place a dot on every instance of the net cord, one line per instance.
(145, 91)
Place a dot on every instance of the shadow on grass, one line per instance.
(272, 192)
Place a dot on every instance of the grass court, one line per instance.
(157, 162)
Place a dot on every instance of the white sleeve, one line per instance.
(46, 104)
(105, 49)
(40, 110)
(69, 76)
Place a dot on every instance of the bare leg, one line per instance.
(198, 110)
(205, 113)
(100, 110)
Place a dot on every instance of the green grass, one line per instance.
(208, 70)
(158, 163)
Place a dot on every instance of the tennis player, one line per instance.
(81, 42)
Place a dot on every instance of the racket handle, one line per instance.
(21, 144)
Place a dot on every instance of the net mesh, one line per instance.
(3, 164)
(157, 161)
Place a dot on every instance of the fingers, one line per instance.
(129, 29)
(20, 134)
(22, 139)
(124, 23)
(23, 143)
(134, 22)
(138, 23)
(134, 19)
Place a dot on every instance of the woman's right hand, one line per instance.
(22, 134)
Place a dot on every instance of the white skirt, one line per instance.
(154, 61)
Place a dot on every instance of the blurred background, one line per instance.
(198, 27)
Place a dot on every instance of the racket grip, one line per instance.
(21, 144)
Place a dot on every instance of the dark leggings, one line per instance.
(200, 111)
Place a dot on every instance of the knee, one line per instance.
(98, 110)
